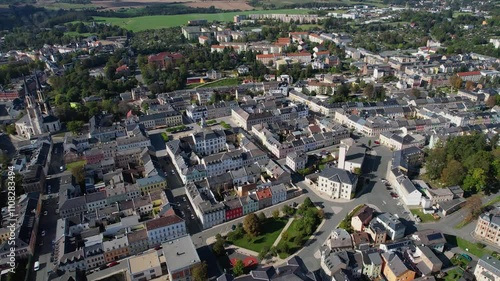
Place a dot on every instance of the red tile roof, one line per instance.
(162, 222)
(469, 73)
(264, 193)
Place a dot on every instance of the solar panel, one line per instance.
(434, 236)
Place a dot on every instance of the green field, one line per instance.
(271, 228)
(467, 246)
(453, 274)
(156, 22)
(72, 165)
(221, 83)
(424, 217)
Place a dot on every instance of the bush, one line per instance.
(480, 245)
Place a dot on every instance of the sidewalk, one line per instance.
(283, 230)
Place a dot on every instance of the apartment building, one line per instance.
(164, 229)
(487, 269)
(115, 249)
(181, 257)
(296, 161)
(394, 227)
(372, 264)
(209, 142)
(488, 228)
(337, 183)
(247, 120)
(395, 269)
(144, 267)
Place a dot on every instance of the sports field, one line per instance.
(156, 22)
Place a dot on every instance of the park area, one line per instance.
(476, 249)
(271, 229)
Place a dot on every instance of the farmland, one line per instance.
(156, 22)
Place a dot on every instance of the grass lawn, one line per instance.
(453, 274)
(463, 244)
(492, 202)
(221, 82)
(156, 22)
(424, 217)
(75, 164)
(272, 229)
(292, 232)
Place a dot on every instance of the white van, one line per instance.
(37, 266)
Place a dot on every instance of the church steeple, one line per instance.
(30, 101)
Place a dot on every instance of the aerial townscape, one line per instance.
(222, 140)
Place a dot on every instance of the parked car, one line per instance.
(36, 267)
(173, 172)
(113, 263)
(158, 248)
(43, 233)
(45, 212)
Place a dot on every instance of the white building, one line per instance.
(209, 211)
(145, 266)
(487, 269)
(352, 158)
(296, 161)
(404, 187)
(209, 142)
(165, 229)
(337, 183)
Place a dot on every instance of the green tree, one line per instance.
(11, 129)
(218, 246)
(263, 253)
(238, 268)
(435, 162)
(357, 171)
(276, 214)
(284, 236)
(369, 143)
(200, 272)
(480, 159)
(78, 173)
(453, 173)
(308, 203)
(251, 225)
(475, 180)
(75, 126)
(289, 210)
(283, 248)
(262, 217)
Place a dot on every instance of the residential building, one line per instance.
(395, 269)
(431, 238)
(247, 120)
(181, 257)
(296, 161)
(249, 203)
(394, 227)
(144, 267)
(362, 218)
(264, 196)
(165, 229)
(404, 186)
(209, 211)
(487, 269)
(115, 249)
(278, 193)
(234, 208)
(372, 264)
(151, 184)
(208, 142)
(399, 142)
(337, 183)
(351, 159)
(377, 232)
(138, 241)
(427, 262)
(339, 240)
(488, 228)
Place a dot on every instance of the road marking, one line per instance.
(384, 202)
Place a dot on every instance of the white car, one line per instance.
(43, 233)
(173, 172)
(45, 213)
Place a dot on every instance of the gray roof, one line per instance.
(395, 263)
(338, 175)
(390, 221)
(180, 253)
(491, 264)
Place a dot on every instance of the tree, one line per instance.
(276, 214)
(262, 217)
(321, 214)
(287, 210)
(11, 129)
(453, 173)
(145, 106)
(75, 126)
(308, 203)
(473, 207)
(369, 91)
(284, 236)
(435, 162)
(369, 143)
(263, 253)
(238, 268)
(298, 238)
(469, 85)
(251, 225)
(455, 82)
(284, 248)
(475, 180)
(357, 171)
(200, 272)
(218, 246)
(79, 173)
(491, 101)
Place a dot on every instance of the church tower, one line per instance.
(42, 101)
